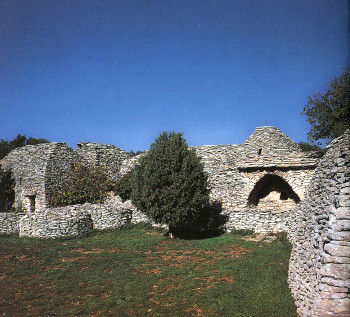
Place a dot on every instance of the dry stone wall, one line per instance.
(47, 224)
(9, 222)
(29, 166)
(234, 170)
(108, 157)
(70, 220)
(319, 269)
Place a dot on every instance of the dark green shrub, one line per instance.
(169, 183)
(84, 183)
(7, 191)
(123, 187)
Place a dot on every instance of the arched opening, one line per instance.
(273, 192)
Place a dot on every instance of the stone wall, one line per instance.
(112, 214)
(108, 157)
(319, 269)
(9, 222)
(46, 224)
(29, 167)
(259, 221)
(235, 170)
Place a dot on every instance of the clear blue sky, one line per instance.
(121, 72)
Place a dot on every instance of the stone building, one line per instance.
(263, 177)
(267, 172)
(38, 169)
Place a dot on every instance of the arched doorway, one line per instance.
(272, 192)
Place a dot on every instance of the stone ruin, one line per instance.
(256, 183)
(266, 184)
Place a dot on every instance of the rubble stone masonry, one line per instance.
(319, 268)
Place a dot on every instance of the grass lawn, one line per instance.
(139, 272)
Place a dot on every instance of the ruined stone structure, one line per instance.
(260, 180)
(256, 182)
(319, 268)
(37, 169)
(266, 184)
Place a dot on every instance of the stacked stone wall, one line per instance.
(54, 225)
(29, 167)
(259, 221)
(234, 170)
(112, 214)
(108, 157)
(319, 269)
(9, 222)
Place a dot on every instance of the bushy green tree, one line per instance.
(169, 183)
(7, 191)
(329, 113)
(84, 183)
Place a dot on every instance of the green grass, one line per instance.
(139, 272)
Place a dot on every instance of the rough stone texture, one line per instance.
(258, 179)
(112, 214)
(9, 222)
(319, 268)
(47, 224)
(35, 169)
(108, 157)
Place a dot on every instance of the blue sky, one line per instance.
(121, 72)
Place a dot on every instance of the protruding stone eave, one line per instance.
(250, 168)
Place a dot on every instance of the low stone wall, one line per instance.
(9, 222)
(319, 267)
(260, 221)
(112, 214)
(56, 224)
(71, 220)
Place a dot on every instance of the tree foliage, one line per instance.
(307, 147)
(21, 140)
(7, 191)
(329, 113)
(84, 183)
(169, 183)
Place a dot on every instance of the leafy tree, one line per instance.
(329, 113)
(133, 153)
(7, 191)
(123, 187)
(21, 140)
(84, 183)
(169, 183)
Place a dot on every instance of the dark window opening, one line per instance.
(259, 151)
(284, 196)
(31, 203)
(269, 183)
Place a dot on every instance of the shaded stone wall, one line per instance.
(108, 157)
(9, 222)
(29, 167)
(319, 269)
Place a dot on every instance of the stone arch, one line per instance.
(272, 191)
